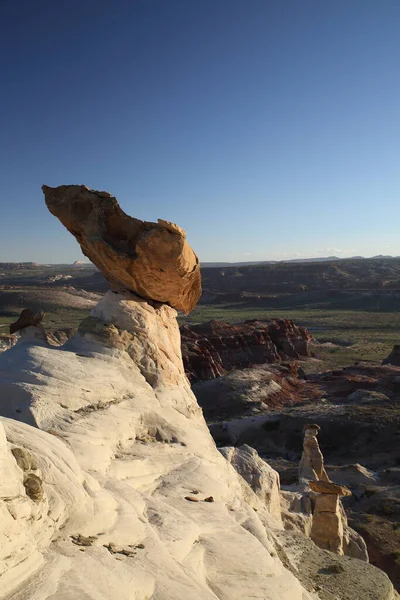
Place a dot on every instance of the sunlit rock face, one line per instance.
(153, 260)
(114, 408)
(127, 471)
(111, 486)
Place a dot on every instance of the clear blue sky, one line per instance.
(266, 128)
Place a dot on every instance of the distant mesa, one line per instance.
(152, 260)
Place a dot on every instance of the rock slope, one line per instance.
(112, 487)
(125, 462)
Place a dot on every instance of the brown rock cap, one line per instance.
(312, 426)
(153, 260)
(328, 487)
(26, 319)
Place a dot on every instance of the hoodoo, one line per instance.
(152, 260)
(111, 486)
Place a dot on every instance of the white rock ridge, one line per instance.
(132, 500)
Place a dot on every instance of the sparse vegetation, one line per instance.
(356, 311)
(358, 335)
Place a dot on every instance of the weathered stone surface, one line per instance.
(307, 513)
(367, 397)
(329, 519)
(327, 503)
(33, 487)
(252, 391)
(100, 481)
(152, 260)
(7, 341)
(327, 527)
(24, 459)
(211, 349)
(312, 462)
(10, 481)
(263, 480)
(27, 318)
(327, 487)
(297, 510)
(339, 385)
(354, 545)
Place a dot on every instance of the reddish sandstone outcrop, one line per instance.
(210, 349)
(153, 260)
(340, 385)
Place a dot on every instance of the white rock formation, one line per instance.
(263, 480)
(311, 466)
(120, 448)
(7, 341)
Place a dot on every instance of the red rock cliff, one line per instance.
(210, 349)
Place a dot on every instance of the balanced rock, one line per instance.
(328, 487)
(327, 526)
(153, 260)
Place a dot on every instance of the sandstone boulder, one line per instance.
(354, 544)
(327, 526)
(153, 260)
(27, 318)
(327, 487)
(367, 397)
(311, 466)
(7, 341)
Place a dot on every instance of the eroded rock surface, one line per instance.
(7, 341)
(120, 443)
(312, 462)
(263, 480)
(214, 348)
(153, 260)
(327, 526)
(110, 483)
(329, 488)
(252, 391)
